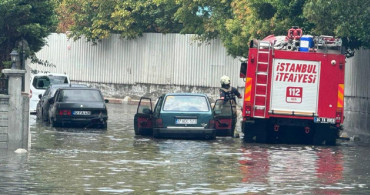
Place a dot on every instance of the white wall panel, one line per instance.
(169, 59)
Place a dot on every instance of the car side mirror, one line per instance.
(51, 101)
(106, 101)
(40, 96)
(147, 111)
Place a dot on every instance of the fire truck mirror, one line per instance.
(243, 70)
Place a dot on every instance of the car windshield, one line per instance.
(43, 82)
(186, 103)
(80, 96)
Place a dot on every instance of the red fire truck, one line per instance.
(294, 88)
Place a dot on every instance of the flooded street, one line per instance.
(115, 161)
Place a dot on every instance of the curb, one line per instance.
(114, 101)
(122, 101)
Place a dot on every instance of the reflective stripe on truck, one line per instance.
(248, 90)
(340, 95)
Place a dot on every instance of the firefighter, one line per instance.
(229, 94)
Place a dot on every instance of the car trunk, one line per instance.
(95, 108)
(185, 119)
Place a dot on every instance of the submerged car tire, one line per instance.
(210, 137)
(256, 132)
(104, 126)
(156, 134)
(38, 115)
(44, 116)
(136, 129)
(53, 123)
(325, 135)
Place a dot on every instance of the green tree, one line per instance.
(235, 22)
(30, 20)
(97, 19)
(348, 19)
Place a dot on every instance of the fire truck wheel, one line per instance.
(325, 135)
(256, 132)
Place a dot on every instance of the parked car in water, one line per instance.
(38, 84)
(42, 108)
(78, 106)
(181, 115)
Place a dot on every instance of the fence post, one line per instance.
(17, 138)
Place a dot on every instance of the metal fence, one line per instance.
(152, 59)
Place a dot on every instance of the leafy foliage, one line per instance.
(348, 19)
(235, 22)
(29, 20)
(98, 19)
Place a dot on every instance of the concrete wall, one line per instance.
(357, 96)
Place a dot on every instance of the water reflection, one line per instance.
(255, 165)
(12, 171)
(288, 169)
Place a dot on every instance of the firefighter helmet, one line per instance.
(225, 80)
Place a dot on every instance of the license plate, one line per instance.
(324, 120)
(81, 112)
(186, 121)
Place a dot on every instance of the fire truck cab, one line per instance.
(294, 88)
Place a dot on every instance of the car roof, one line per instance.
(67, 85)
(78, 88)
(187, 94)
(49, 74)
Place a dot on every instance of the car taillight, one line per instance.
(65, 112)
(211, 124)
(338, 116)
(30, 93)
(159, 122)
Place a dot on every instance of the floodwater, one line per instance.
(115, 161)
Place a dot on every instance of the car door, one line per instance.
(52, 107)
(143, 120)
(43, 101)
(224, 117)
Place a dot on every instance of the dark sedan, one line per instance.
(42, 109)
(78, 106)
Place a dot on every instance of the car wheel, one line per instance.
(52, 122)
(210, 137)
(104, 126)
(155, 134)
(44, 116)
(136, 129)
(38, 115)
